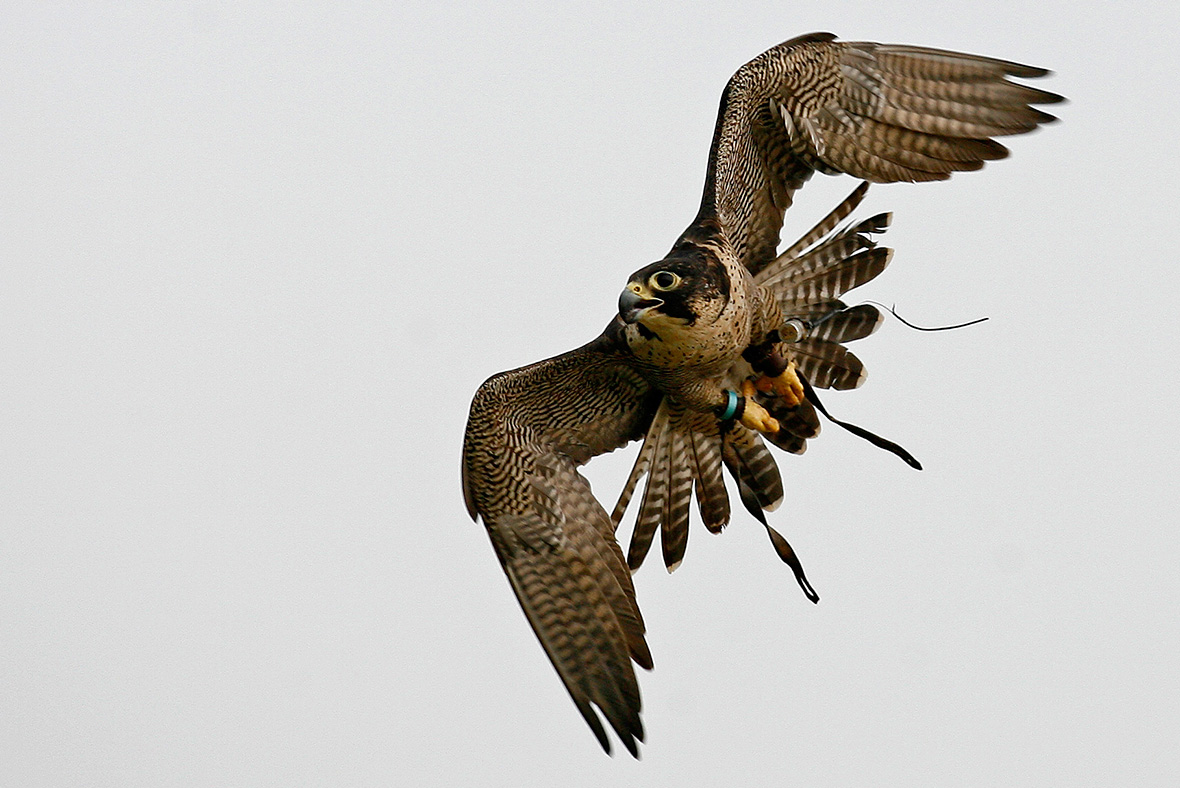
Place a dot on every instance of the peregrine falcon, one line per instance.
(720, 344)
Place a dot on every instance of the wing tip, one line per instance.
(595, 724)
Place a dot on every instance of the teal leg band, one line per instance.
(731, 406)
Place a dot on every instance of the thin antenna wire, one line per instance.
(892, 310)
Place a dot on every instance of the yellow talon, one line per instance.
(786, 385)
(755, 417)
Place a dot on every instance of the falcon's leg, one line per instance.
(786, 385)
(776, 374)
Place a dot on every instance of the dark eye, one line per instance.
(664, 280)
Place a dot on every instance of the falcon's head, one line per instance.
(673, 293)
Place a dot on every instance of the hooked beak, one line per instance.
(632, 305)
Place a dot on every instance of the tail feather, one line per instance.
(684, 451)
(681, 452)
(642, 462)
(828, 365)
(826, 224)
(796, 424)
(651, 509)
(752, 464)
(712, 499)
(682, 473)
(836, 279)
(848, 324)
(792, 444)
(818, 260)
(790, 267)
(808, 281)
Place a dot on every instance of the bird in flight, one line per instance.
(720, 346)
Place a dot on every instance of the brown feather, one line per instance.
(835, 280)
(651, 509)
(674, 526)
(824, 225)
(712, 498)
(828, 365)
(642, 462)
(753, 465)
(552, 537)
(849, 324)
(882, 113)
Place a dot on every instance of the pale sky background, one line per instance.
(256, 258)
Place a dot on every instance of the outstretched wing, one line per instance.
(880, 112)
(527, 433)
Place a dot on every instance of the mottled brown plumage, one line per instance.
(700, 362)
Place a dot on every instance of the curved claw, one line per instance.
(754, 416)
(786, 385)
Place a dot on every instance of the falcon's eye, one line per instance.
(664, 280)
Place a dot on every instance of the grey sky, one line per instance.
(255, 259)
